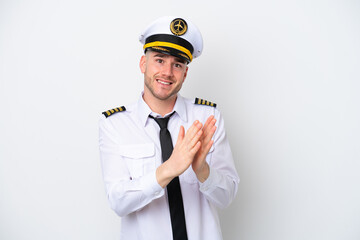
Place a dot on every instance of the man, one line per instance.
(167, 164)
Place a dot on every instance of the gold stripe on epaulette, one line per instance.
(204, 102)
(110, 112)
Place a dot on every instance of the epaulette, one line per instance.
(204, 102)
(110, 112)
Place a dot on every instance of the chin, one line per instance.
(164, 97)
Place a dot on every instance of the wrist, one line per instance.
(203, 173)
(164, 175)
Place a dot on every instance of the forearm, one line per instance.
(222, 182)
(128, 196)
(219, 188)
(164, 175)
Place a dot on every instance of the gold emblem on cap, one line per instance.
(178, 26)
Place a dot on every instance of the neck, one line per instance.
(159, 106)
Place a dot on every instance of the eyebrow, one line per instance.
(163, 55)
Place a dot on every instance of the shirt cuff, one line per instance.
(151, 186)
(210, 183)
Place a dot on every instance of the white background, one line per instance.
(285, 75)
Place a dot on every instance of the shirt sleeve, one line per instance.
(125, 193)
(221, 186)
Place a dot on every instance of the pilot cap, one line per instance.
(175, 36)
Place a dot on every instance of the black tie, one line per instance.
(173, 188)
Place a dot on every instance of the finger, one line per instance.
(208, 121)
(208, 147)
(192, 131)
(211, 123)
(196, 148)
(205, 149)
(181, 135)
(208, 134)
(208, 127)
(195, 139)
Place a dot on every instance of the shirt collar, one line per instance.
(180, 108)
(144, 110)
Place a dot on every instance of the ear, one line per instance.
(142, 64)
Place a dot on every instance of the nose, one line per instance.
(167, 70)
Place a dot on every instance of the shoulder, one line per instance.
(110, 112)
(203, 102)
(199, 107)
(115, 118)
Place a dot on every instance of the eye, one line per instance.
(159, 60)
(178, 65)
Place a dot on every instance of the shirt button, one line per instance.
(157, 193)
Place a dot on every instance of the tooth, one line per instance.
(163, 82)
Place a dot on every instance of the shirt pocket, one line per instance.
(139, 158)
(189, 175)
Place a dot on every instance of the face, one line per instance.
(163, 75)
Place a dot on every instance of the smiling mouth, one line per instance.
(162, 82)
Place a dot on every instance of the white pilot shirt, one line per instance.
(130, 152)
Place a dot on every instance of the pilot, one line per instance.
(166, 160)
